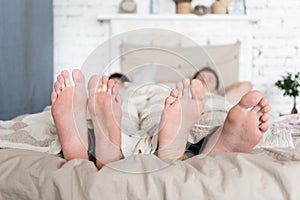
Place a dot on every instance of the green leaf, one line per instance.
(290, 84)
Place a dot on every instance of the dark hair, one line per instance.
(120, 76)
(208, 69)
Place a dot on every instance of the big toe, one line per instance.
(93, 84)
(197, 89)
(78, 77)
(250, 99)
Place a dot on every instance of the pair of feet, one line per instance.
(69, 109)
(244, 126)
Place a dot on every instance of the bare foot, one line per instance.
(104, 105)
(69, 114)
(244, 125)
(178, 117)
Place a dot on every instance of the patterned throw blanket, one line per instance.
(32, 132)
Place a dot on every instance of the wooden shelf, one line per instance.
(209, 17)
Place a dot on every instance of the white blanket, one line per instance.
(142, 106)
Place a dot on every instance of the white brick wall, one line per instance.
(276, 39)
(276, 47)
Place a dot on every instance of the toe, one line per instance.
(53, 97)
(78, 77)
(104, 83)
(264, 102)
(186, 87)
(92, 85)
(179, 87)
(118, 98)
(266, 109)
(264, 118)
(197, 89)
(57, 87)
(169, 101)
(174, 93)
(114, 90)
(250, 99)
(61, 80)
(263, 127)
(110, 85)
(66, 76)
(115, 93)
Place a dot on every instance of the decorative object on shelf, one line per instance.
(127, 6)
(220, 7)
(154, 6)
(183, 6)
(237, 7)
(201, 10)
(290, 84)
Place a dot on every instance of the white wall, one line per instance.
(276, 39)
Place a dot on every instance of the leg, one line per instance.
(69, 114)
(244, 125)
(178, 117)
(104, 105)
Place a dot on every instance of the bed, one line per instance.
(32, 167)
(271, 173)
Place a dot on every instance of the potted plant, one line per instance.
(290, 84)
(183, 6)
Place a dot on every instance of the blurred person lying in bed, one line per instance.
(120, 80)
(208, 78)
(211, 82)
(244, 126)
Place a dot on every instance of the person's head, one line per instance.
(209, 79)
(119, 79)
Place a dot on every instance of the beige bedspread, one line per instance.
(261, 174)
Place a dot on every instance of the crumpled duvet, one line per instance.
(261, 174)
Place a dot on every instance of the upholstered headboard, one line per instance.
(157, 63)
